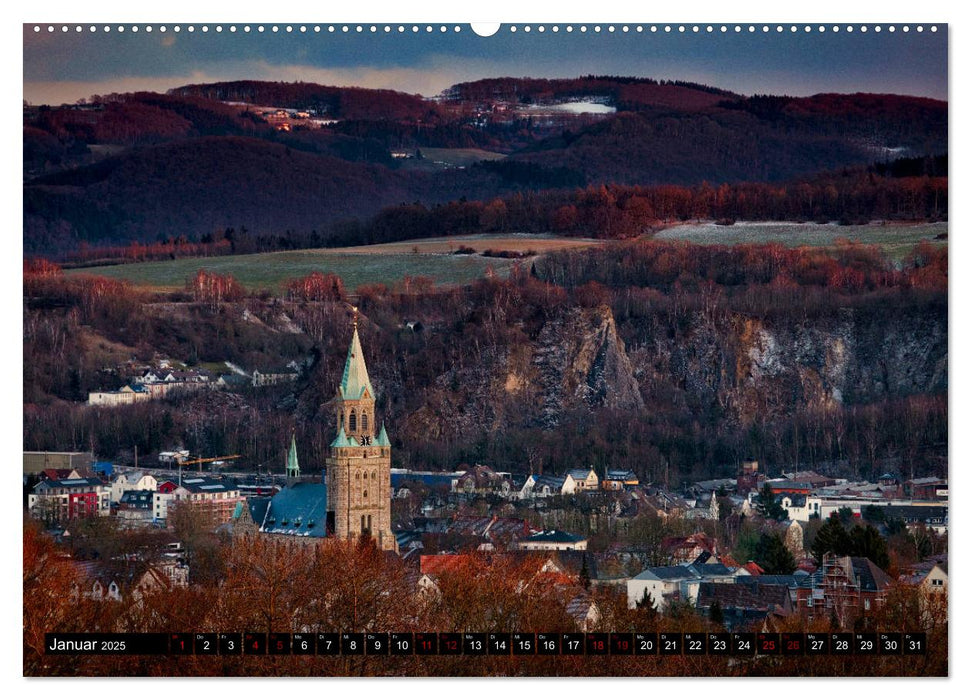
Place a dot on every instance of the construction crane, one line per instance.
(200, 461)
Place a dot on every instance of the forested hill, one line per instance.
(624, 93)
(204, 158)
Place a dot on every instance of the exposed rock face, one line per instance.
(578, 361)
(748, 368)
(582, 361)
(732, 367)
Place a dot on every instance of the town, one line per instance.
(750, 552)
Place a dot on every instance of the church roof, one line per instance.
(292, 463)
(355, 379)
(299, 510)
(382, 439)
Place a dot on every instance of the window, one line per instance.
(352, 422)
(365, 493)
(364, 422)
(365, 476)
(357, 475)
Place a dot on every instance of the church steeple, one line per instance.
(355, 381)
(358, 472)
(293, 466)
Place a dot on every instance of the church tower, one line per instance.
(359, 465)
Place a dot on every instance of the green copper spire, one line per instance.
(293, 466)
(341, 439)
(382, 439)
(355, 379)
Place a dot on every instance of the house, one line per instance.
(801, 507)
(60, 500)
(431, 480)
(585, 479)
(213, 499)
(618, 479)
(125, 396)
(685, 550)
(546, 485)
(933, 517)
(272, 378)
(748, 478)
(136, 506)
(584, 611)
(552, 540)
(668, 583)
(926, 489)
(704, 509)
(744, 601)
(843, 588)
(789, 487)
(481, 479)
(815, 481)
(136, 481)
(130, 579)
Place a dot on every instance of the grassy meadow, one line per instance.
(896, 240)
(387, 263)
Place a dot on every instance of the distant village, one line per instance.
(167, 378)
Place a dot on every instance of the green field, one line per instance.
(386, 263)
(895, 239)
(272, 270)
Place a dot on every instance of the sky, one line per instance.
(62, 67)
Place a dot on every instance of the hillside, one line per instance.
(755, 139)
(147, 167)
(191, 188)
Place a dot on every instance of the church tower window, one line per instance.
(364, 422)
(352, 422)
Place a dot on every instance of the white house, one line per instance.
(667, 583)
(553, 540)
(802, 508)
(132, 482)
(545, 485)
(585, 479)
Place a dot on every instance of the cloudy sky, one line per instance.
(63, 67)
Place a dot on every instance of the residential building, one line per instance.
(136, 506)
(618, 479)
(61, 500)
(137, 481)
(552, 540)
(843, 588)
(546, 485)
(125, 396)
(665, 584)
(213, 499)
(585, 479)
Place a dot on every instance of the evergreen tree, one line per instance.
(769, 506)
(773, 555)
(715, 614)
(831, 538)
(867, 542)
(585, 575)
